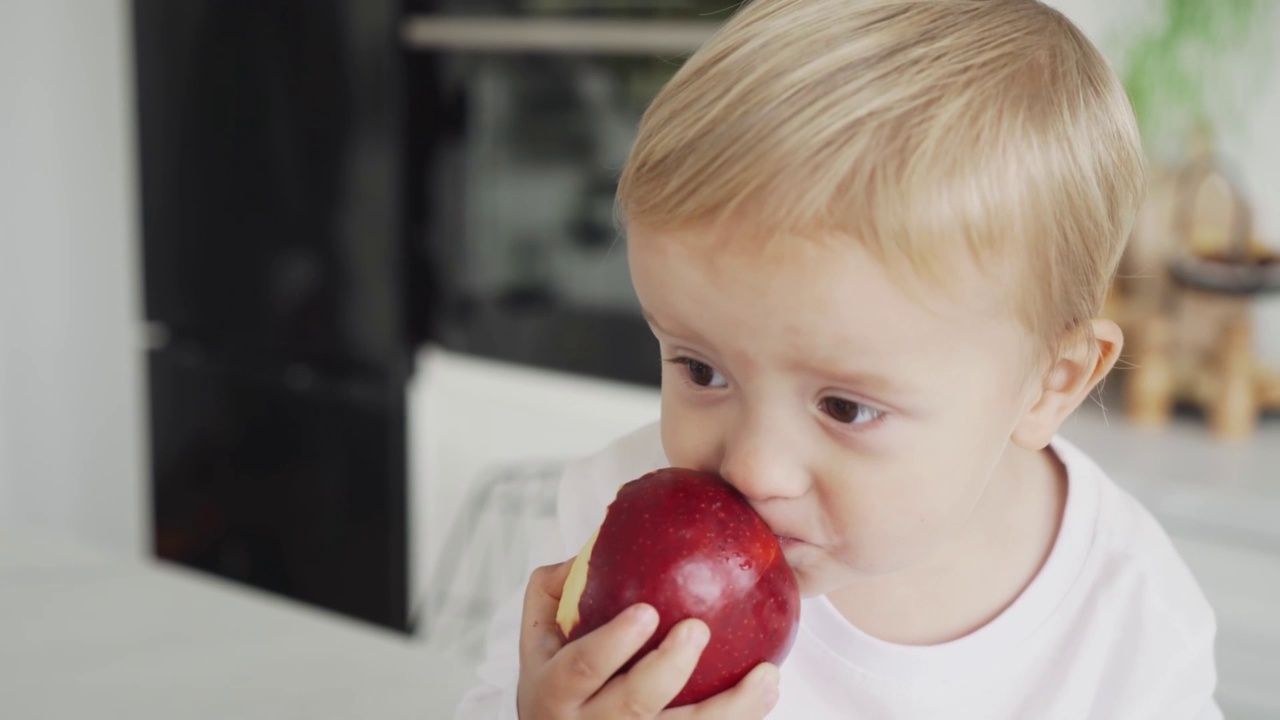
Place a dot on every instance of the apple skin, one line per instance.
(690, 545)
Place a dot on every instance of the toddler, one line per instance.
(873, 240)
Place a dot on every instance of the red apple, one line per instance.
(689, 544)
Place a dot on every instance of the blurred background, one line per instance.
(316, 297)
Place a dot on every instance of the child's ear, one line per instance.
(1082, 364)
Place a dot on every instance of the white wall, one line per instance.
(70, 383)
(1250, 145)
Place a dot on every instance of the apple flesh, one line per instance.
(691, 546)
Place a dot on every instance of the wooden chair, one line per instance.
(1185, 299)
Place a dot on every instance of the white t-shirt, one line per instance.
(1113, 626)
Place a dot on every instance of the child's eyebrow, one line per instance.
(874, 383)
(648, 316)
(688, 334)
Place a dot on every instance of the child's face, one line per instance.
(859, 421)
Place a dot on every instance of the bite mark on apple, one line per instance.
(567, 614)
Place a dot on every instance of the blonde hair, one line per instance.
(918, 127)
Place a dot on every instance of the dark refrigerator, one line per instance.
(283, 295)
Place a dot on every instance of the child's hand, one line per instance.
(572, 681)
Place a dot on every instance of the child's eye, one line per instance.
(849, 412)
(700, 373)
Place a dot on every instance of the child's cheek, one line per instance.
(687, 442)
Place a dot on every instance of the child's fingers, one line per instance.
(583, 666)
(657, 677)
(751, 699)
(539, 636)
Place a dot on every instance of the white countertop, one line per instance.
(83, 635)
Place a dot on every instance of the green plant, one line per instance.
(1199, 65)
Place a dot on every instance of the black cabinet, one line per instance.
(322, 192)
(288, 481)
(284, 291)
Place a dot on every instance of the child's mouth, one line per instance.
(789, 542)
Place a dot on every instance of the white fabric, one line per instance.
(1113, 626)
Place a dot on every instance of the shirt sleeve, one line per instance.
(554, 541)
(1190, 681)
(586, 488)
(494, 695)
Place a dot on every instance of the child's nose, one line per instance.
(763, 464)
